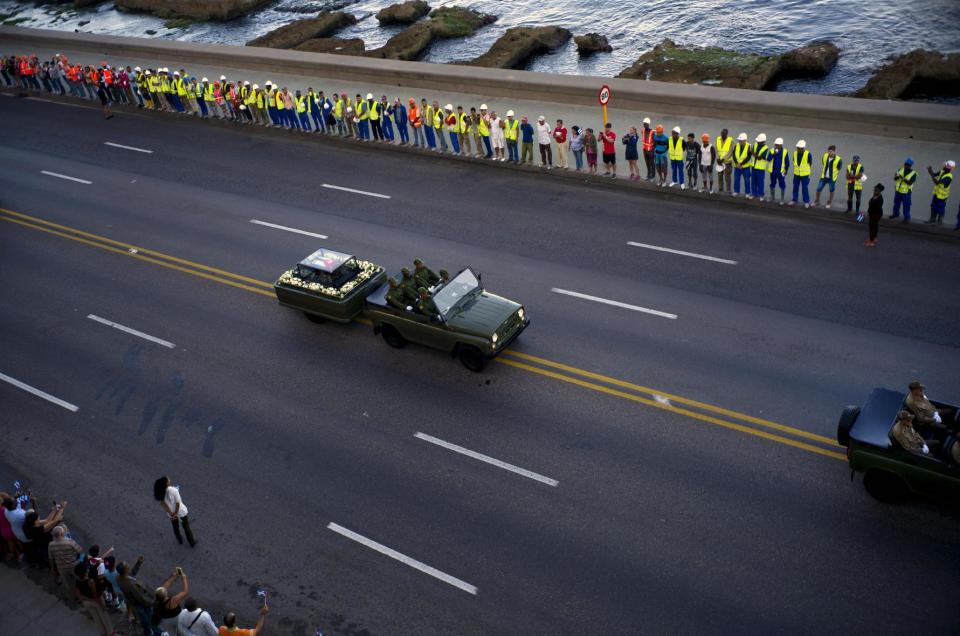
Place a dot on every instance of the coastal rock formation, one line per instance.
(444, 23)
(195, 9)
(315, 7)
(348, 46)
(290, 35)
(918, 72)
(515, 47)
(592, 43)
(714, 66)
(403, 13)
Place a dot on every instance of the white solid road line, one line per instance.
(133, 332)
(614, 303)
(39, 393)
(110, 143)
(63, 176)
(402, 558)
(487, 459)
(364, 192)
(289, 229)
(704, 257)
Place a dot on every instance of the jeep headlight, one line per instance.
(494, 338)
(520, 314)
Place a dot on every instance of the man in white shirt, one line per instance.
(544, 134)
(194, 621)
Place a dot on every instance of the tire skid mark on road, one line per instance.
(526, 362)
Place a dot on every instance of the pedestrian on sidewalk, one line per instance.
(904, 180)
(609, 141)
(630, 141)
(303, 116)
(86, 592)
(661, 146)
(438, 126)
(577, 146)
(63, 553)
(743, 166)
(675, 153)
(708, 158)
(778, 167)
(724, 146)
(646, 136)
(166, 607)
(38, 531)
(169, 498)
(376, 118)
(590, 146)
(452, 122)
(832, 162)
(497, 137)
(229, 627)
(761, 156)
(855, 179)
(10, 540)
(941, 192)
(483, 129)
(801, 173)
(400, 119)
(560, 137)
(875, 213)
(526, 137)
(387, 114)
(692, 156)
(543, 139)
(194, 621)
(416, 123)
(511, 131)
(139, 604)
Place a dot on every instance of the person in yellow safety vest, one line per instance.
(761, 155)
(179, 93)
(301, 104)
(314, 110)
(904, 179)
(338, 107)
(206, 99)
(452, 122)
(832, 162)
(153, 87)
(258, 106)
(426, 112)
(801, 173)
(166, 89)
(438, 126)
(778, 166)
(724, 145)
(855, 179)
(511, 132)
(483, 130)
(742, 166)
(941, 192)
(376, 116)
(675, 154)
(363, 118)
(463, 131)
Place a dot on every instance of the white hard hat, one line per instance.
(778, 141)
(951, 164)
(246, 83)
(148, 72)
(762, 137)
(676, 129)
(269, 83)
(369, 95)
(801, 144)
(448, 107)
(646, 120)
(483, 107)
(509, 113)
(255, 86)
(204, 80)
(223, 77)
(136, 68)
(177, 73)
(742, 137)
(541, 118)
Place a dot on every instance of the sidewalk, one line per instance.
(31, 606)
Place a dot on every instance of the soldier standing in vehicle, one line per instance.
(425, 305)
(444, 276)
(907, 437)
(423, 275)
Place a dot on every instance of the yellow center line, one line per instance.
(674, 409)
(143, 250)
(675, 398)
(169, 262)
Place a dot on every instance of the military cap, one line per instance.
(421, 290)
(417, 261)
(443, 272)
(392, 281)
(913, 386)
(904, 415)
(405, 271)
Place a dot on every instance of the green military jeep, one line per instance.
(472, 324)
(891, 473)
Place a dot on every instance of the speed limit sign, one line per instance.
(604, 96)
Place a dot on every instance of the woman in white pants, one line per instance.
(496, 136)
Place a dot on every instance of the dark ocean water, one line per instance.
(867, 31)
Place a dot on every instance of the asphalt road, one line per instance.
(733, 513)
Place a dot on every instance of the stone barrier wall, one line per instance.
(891, 119)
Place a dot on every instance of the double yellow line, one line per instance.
(701, 411)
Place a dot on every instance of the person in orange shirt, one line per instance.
(229, 627)
(416, 120)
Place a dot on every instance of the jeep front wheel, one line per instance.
(392, 337)
(472, 358)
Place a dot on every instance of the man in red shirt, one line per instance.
(560, 136)
(609, 139)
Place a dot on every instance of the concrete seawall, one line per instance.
(895, 120)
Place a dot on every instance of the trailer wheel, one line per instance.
(313, 317)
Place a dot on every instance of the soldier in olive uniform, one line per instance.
(396, 297)
(426, 306)
(409, 286)
(444, 276)
(424, 276)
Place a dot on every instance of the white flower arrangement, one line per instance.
(367, 271)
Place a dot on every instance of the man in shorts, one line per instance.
(609, 140)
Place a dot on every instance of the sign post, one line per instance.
(604, 99)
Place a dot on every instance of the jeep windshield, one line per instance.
(463, 286)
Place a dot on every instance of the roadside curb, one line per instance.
(597, 181)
